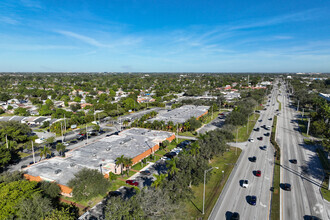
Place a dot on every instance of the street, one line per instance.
(305, 177)
(235, 198)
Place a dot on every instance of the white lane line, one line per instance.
(263, 205)
(267, 178)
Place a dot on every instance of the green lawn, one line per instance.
(324, 190)
(22, 154)
(213, 187)
(243, 135)
(187, 133)
(279, 105)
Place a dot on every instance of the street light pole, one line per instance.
(236, 140)
(205, 171)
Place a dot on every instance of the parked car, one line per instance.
(132, 182)
(245, 184)
(258, 173)
(165, 158)
(73, 142)
(114, 193)
(66, 143)
(145, 172)
(23, 166)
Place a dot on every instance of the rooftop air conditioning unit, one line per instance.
(58, 171)
(94, 155)
(72, 164)
(108, 149)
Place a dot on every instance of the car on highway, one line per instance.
(234, 216)
(145, 172)
(270, 119)
(294, 161)
(263, 147)
(253, 200)
(66, 144)
(132, 182)
(258, 173)
(24, 166)
(260, 120)
(260, 138)
(267, 134)
(245, 184)
(253, 159)
(287, 187)
(257, 129)
(251, 140)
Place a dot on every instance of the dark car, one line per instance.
(294, 161)
(145, 172)
(260, 138)
(23, 166)
(234, 216)
(257, 129)
(253, 200)
(270, 119)
(32, 162)
(287, 186)
(253, 159)
(132, 182)
(170, 155)
(73, 142)
(258, 173)
(114, 194)
(267, 134)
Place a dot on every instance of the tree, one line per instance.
(128, 163)
(50, 140)
(5, 155)
(34, 208)
(21, 111)
(120, 162)
(60, 148)
(112, 176)
(171, 165)
(118, 208)
(11, 194)
(50, 189)
(159, 180)
(63, 214)
(87, 184)
(44, 152)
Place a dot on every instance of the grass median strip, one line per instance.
(214, 186)
(275, 206)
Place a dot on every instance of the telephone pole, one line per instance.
(34, 160)
(309, 122)
(7, 141)
(298, 106)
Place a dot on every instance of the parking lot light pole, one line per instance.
(205, 171)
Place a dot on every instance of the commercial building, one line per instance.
(182, 114)
(135, 143)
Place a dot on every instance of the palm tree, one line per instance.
(120, 162)
(159, 179)
(44, 152)
(128, 163)
(187, 126)
(194, 149)
(171, 165)
(170, 125)
(60, 148)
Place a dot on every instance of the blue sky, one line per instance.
(165, 35)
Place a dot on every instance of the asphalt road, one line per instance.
(305, 177)
(218, 122)
(234, 198)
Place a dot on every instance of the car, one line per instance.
(245, 184)
(260, 120)
(260, 138)
(23, 166)
(287, 187)
(257, 129)
(264, 147)
(253, 200)
(73, 142)
(234, 216)
(114, 193)
(258, 173)
(251, 140)
(270, 119)
(165, 158)
(132, 182)
(267, 134)
(253, 159)
(145, 172)
(294, 161)
(108, 135)
(66, 143)
(33, 162)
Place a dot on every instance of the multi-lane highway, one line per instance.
(304, 200)
(235, 198)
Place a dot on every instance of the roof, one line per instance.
(40, 119)
(130, 143)
(182, 114)
(17, 118)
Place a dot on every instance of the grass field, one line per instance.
(326, 166)
(243, 135)
(213, 187)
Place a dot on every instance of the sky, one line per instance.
(164, 36)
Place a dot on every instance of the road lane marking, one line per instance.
(263, 205)
(318, 208)
(267, 178)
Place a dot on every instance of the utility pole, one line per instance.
(7, 141)
(309, 122)
(177, 133)
(303, 112)
(34, 160)
(86, 135)
(64, 124)
(236, 140)
(62, 132)
(298, 106)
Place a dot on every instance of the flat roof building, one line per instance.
(135, 143)
(182, 114)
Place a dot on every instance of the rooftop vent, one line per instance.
(58, 171)
(72, 164)
(108, 148)
(94, 155)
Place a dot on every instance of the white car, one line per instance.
(251, 140)
(245, 184)
(66, 143)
